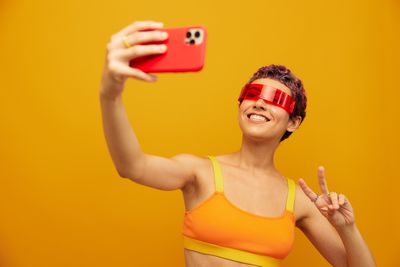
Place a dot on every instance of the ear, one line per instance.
(293, 124)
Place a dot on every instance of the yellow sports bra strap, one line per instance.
(217, 174)
(291, 195)
(229, 253)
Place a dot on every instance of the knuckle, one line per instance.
(114, 37)
(112, 66)
(136, 38)
(111, 56)
(134, 50)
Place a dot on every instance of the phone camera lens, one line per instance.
(188, 34)
(197, 34)
(192, 41)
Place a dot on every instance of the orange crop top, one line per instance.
(220, 228)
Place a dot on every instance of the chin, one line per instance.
(257, 135)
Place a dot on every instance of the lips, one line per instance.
(257, 117)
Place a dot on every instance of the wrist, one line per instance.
(111, 78)
(346, 229)
(109, 96)
(110, 89)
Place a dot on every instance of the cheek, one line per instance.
(279, 114)
(243, 106)
(240, 114)
(241, 110)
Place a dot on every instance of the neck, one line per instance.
(256, 156)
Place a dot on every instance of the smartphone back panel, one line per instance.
(185, 52)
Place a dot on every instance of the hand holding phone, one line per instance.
(185, 51)
(128, 44)
(145, 46)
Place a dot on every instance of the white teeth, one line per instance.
(257, 117)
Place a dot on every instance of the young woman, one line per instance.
(240, 210)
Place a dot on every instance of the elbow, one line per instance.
(122, 174)
(131, 171)
(128, 174)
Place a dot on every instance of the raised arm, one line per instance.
(330, 226)
(130, 161)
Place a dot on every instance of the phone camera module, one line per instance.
(194, 36)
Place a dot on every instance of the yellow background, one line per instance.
(62, 202)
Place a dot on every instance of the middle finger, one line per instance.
(322, 181)
(145, 37)
(334, 199)
(140, 50)
(141, 38)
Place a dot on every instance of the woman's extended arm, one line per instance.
(330, 226)
(129, 160)
(122, 142)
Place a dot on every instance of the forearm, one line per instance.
(357, 251)
(121, 139)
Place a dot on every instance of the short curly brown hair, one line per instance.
(282, 74)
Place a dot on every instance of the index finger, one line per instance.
(141, 25)
(307, 190)
(322, 181)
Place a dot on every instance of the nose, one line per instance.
(260, 104)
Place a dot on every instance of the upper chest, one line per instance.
(259, 195)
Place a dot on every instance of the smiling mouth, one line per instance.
(257, 117)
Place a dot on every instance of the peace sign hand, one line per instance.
(336, 208)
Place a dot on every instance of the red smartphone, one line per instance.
(186, 47)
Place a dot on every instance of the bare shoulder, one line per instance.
(190, 159)
(193, 162)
